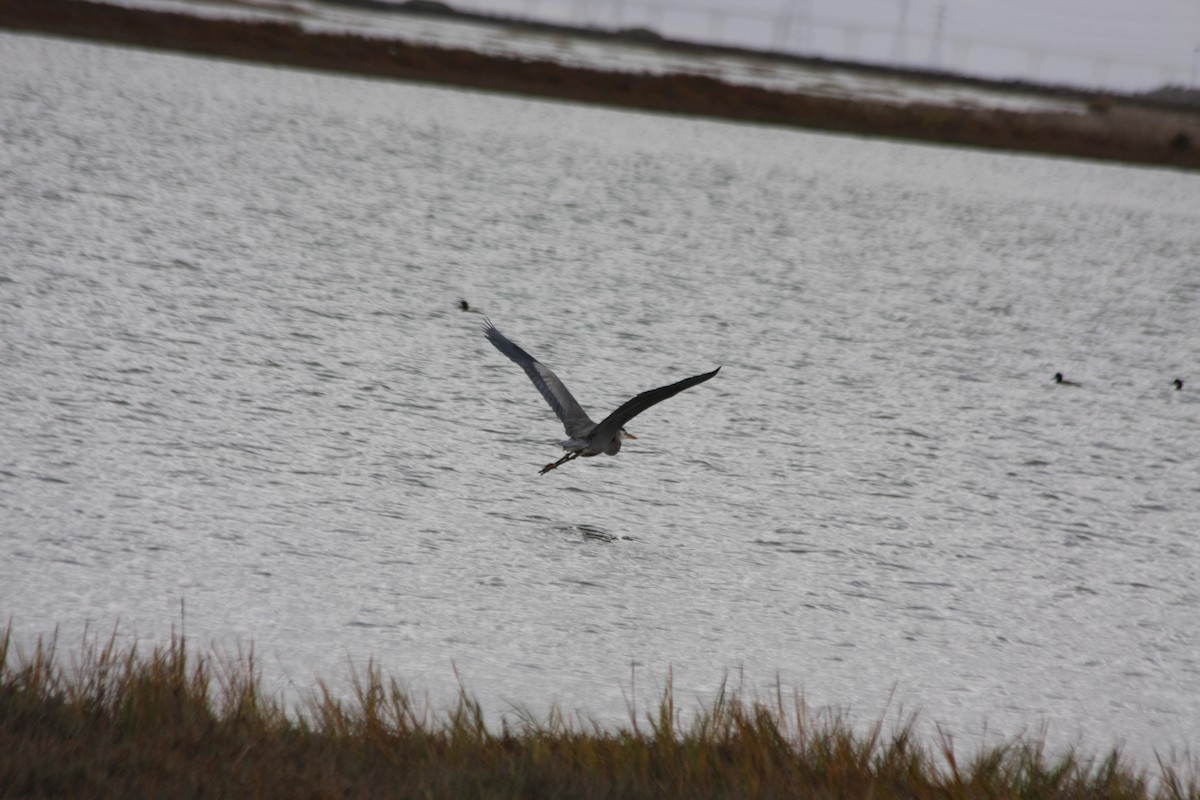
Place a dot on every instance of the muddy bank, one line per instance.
(1113, 130)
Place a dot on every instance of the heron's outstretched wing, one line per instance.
(631, 408)
(574, 419)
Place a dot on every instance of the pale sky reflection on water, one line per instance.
(235, 376)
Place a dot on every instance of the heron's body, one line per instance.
(585, 437)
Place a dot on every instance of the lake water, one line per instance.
(234, 377)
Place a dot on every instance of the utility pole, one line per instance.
(797, 11)
(899, 43)
(936, 55)
(716, 25)
(804, 13)
(783, 27)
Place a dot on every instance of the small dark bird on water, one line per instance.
(1059, 379)
(1178, 384)
(463, 305)
(587, 438)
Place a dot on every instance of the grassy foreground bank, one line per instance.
(171, 722)
(1113, 129)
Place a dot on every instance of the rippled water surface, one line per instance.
(233, 375)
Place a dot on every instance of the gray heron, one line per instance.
(585, 438)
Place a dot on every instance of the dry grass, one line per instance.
(171, 722)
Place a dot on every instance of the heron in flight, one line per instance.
(586, 438)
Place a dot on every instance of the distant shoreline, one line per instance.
(1114, 129)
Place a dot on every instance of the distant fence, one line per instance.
(925, 36)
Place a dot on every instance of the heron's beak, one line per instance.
(628, 435)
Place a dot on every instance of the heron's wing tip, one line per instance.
(631, 408)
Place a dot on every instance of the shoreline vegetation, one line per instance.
(168, 721)
(1114, 128)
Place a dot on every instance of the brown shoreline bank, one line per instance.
(1115, 130)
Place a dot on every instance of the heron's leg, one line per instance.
(562, 460)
